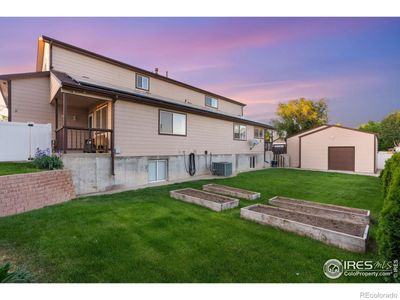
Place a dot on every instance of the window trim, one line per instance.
(263, 131)
(95, 120)
(205, 101)
(166, 170)
(239, 139)
(173, 112)
(136, 82)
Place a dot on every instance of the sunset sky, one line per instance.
(353, 62)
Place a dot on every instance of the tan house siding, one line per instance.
(55, 85)
(136, 134)
(30, 101)
(314, 148)
(293, 147)
(80, 65)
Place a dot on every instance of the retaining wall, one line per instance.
(25, 192)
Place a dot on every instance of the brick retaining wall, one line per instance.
(25, 192)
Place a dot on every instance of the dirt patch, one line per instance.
(231, 189)
(324, 206)
(345, 227)
(205, 196)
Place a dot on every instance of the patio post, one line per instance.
(65, 137)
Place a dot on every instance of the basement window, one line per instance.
(211, 102)
(252, 162)
(239, 132)
(172, 123)
(142, 82)
(158, 170)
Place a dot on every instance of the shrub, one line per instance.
(45, 160)
(389, 222)
(386, 175)
(18, 276)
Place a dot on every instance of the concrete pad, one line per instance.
(231, 191)
(209, 200)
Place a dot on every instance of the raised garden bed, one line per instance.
(345, 235)
(209, 200)
(231, 191)
(334, 212)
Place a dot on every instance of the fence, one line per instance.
(382, 157)
(19, 141)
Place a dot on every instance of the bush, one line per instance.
(19, 276)
(389, 222)
(45, 160)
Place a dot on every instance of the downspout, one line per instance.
(51, 56)
(9, 104)
(113, 135)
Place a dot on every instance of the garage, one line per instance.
(333, 147)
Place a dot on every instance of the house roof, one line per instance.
(128, 94)
(324, 127)
(24, 75)
(135, 69)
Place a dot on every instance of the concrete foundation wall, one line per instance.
(91, 173)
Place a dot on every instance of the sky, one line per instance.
(352, 62)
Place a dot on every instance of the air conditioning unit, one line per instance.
(222, 168)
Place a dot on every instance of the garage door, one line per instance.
(341, 158)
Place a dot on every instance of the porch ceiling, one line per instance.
(81, 101)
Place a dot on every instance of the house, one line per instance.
(119, 125)
(332, 147)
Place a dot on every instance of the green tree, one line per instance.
(390, 130)
(300, 114)
(371, 126)
(374, 127)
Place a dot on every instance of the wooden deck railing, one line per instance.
(88, 140)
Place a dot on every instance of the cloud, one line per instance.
(262, 98)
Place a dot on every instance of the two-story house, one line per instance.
(119, 125)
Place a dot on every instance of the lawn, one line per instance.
(10, 168)
(145, 236)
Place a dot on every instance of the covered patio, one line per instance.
(84, 119)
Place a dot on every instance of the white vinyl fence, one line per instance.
(383, 156)
(19, 141)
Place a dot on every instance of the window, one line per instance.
(172, 123)
(258, 133)
(211, 102)
(157, 170)
(252, 162)
(239, 132)
(101, 117)
(142, 82)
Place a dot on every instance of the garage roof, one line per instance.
(324, 127)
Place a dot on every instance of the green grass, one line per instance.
(10, 168)
(145, 236)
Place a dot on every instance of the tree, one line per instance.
(374, 127)
(300, 114)
(390, 130)
(371, 126)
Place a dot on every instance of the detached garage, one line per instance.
(331, 147)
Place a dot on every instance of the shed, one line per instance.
(333, 147)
